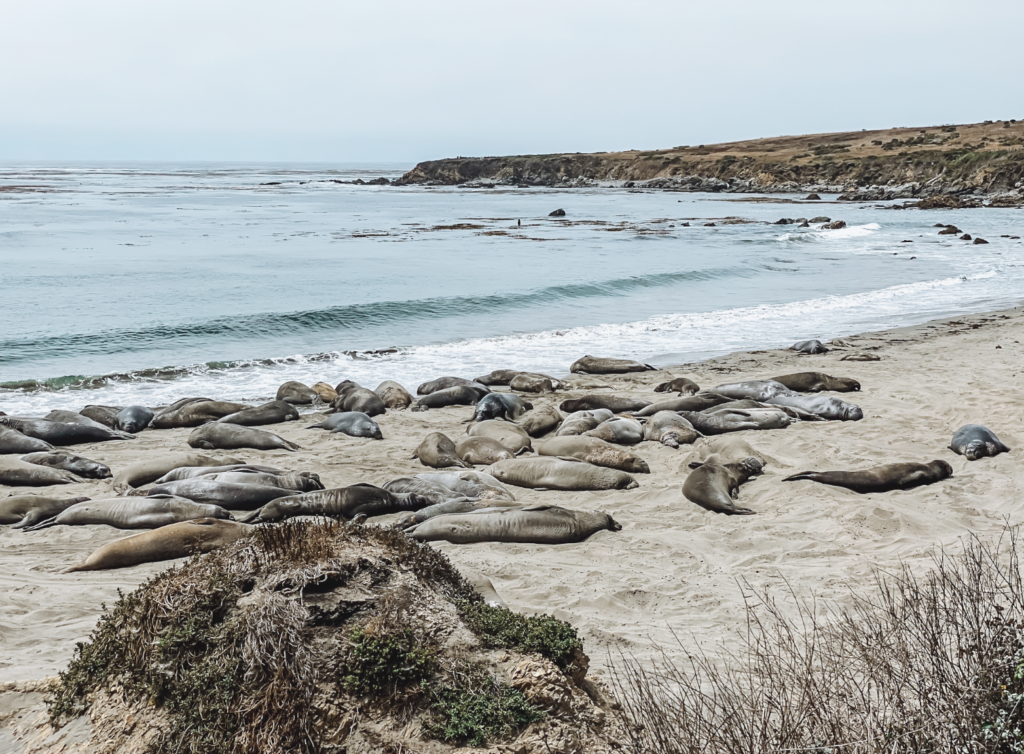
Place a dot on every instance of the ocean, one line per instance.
(148, 282)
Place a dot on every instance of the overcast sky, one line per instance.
(406, 80)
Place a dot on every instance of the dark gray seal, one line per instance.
(592, 365)
(680, 385)
(594, 450)
(481, 451)
(715, 485)
(351, 423)
(534, 524)
(12, 441)
(394, 395)
(506, 406)
(560, 474)
(670, 429)
(809, 346)
(541, 421)
(132, 419)
(133, 513)
(974, 441)
(28, 510)
(438, 450)
(341, 502)
(274, 412)
(617, 404)
(817, 382)
(73, 417)
(193, 412)
(698, 402)
(63, 433)
(297, 394)
(890, 476)
(17, 473)
(459, 395)
(105, 415)
(498, 377)
(355, 397)
(77, 465)
(230, 436)
(443, 383)
(225, 494)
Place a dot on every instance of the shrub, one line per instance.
(547, 636)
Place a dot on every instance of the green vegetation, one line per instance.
(825, 149)
(547, 636)
(376, 665)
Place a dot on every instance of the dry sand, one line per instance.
(673, 567)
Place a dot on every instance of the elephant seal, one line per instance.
(498, 377)
(460, 505)
(482, 450)
(506, 406)
(890, 476)
(225, 494)
(443, 383)
(73, 417)
(619, 430)
(973, 441)
(699, 402)
(617, 404)
(296, 393)
(166, 543)
(17, 473)
(12, 441)
(737, 420)
(394, 395)
(533, 382)
(825, 406)
(534, 524)
(595, 451)
(817, 382)
(680, 385)
(133, 513)
(191, 472)
(274, 412)
(809, 347)
(132, 419)
(541, 420)
(149, 471)
(303, 481)
(746, 403)
(438, 450)
(351, 423)
(354, 397)
(325, 392)
(77, 465)
(27, 510)
(105, 415)
(447, 486)
(510, 435)
(63, 433)
(194, 412)
(716, 484)
(670, 429)
(230, 436)
(728, 449)
(755, 390)
(592, 365)
(459, 395)
(579, 422)
(560, 474)
(341, 502)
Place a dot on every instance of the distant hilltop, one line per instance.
(974, 159)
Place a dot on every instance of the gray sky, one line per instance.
(409, 80)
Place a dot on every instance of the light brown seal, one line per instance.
(534, 524)
(394, 395)
(231, 436)
(482, 450)
(560, 474)
(670, 429)
(680, 385)
(541, 421)
(816, 382)
(595, 451)
(27, 510)
(715, 485)
(593, 365)
(145, 472)
(510, 435)
(438, 450)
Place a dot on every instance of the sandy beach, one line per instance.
(674, 567)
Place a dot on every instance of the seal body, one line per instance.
(325, 392)
(105, 415)
(303, 481)
(274, 412)
(680, 385)
(73, 417)
(699, 402)
(134, 513)
(541, 421)
(670, 429)
(351, 423)
(510, 435)
(63, 433)
(191, 472)
(734, 420)
(885, 478)
(614, 403)
(16, 473)
(594, 450)
(77, 465)
(500, 406)
(619, 430)
(457, 395)
(715, 484)
(166, 543)
(341, 502)
(728, 449)
(592, 365)
(438, 450)
(580, 422)
(216, 435)
(974, 441)
(817, 382)
(498, 377)
(355, 397)
(443, 383)
(132, 419)
(446, 486)
(532, 382)
(225, 494)
(460, 505)
(809, 346)
(12, 441)
(482, 450)
(149, 471)
(296, 393)
(536, 524)
(394, 395)
(193, 412)
(20, 511)
(825, 406)
(560, 474)
(755, 390)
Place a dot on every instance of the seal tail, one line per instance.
(808, 475)
(317, 426)
(249, 517)
(41, 525)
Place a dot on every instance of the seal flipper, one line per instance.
(46, 524)
(803, 475)
(250, 517)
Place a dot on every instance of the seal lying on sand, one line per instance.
(506, 406)
(670, 429)
(731, 420)
(16, 473)
(595, 451)
(133, 513)
(165, 543)
(445, 486)
(132, 419)
(351, 423)
(27, 510)
(225, 494)
(191, 472)
(541, 420)
(825, 406)
(560, 474)
(194, 412)
(579, 422)
(459, 395)
(890, 476)
(230, 436)
(296, 393)
(498, 377)
(715, 484)
(755, 390)
(973, 441)
(619, 430)
(354, 397)
(73, 417)
(274, 412)
(592, 365)
(680, 385)
(482, 450)
(444, 383)
(394, 395)
(324, 392)
(105, 415)
(510, 435)
(614, 403)
(341, 502)
(817, 382)
(534, 382)
(77, 465)
(809, 346)
(145, 472)
(534, 524)
(63, 433)
(459, 505)
(728, 449)
(438, 450)
(699, 402)
(12, 441)
(303, 481)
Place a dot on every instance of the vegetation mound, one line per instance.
(321, 637)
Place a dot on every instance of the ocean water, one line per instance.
(145, 283)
